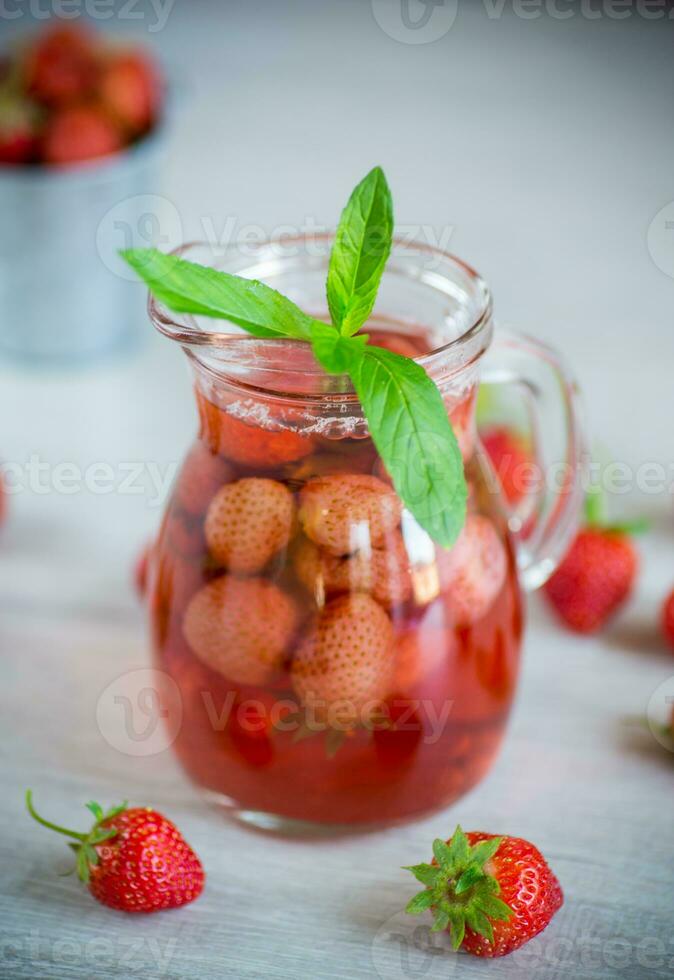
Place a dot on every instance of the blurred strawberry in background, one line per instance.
(19, 122)
(668, 624)
(598, 573)
(512, 459)
(60, 66)
(130, 89)
(67, 96)
(141, 570)
(80, 133)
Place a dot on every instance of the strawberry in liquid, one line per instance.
(449, 682)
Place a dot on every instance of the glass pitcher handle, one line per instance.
(544, 522)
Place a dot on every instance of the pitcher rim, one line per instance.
(193, 336)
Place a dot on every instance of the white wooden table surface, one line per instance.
(545, 144)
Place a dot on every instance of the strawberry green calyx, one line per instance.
(459, 890)
(595, 516)
(83, 845)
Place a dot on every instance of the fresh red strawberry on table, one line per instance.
(133, 860)
(492, 894)
(597, 575)
(668, 619)
(80, 133)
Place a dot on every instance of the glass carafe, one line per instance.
(336, 668)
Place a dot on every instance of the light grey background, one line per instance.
(546, 146)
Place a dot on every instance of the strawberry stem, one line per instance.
(85, 850)
(594, 507)
(595, 516)
(637, 526)
(46, 823)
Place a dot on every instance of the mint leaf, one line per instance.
(406, 416)
(362, 246)
(186, 287)
(410, 428)
(333, 351)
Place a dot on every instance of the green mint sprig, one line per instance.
(362, 247)
(405, 413)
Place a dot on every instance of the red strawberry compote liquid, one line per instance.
(335, 666)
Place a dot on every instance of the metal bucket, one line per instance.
(63, 293)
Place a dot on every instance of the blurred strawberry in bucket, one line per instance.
(80, 133)
(130, 89)
(19, 120)
(66, 97)
(60, 66)
(667, 619)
